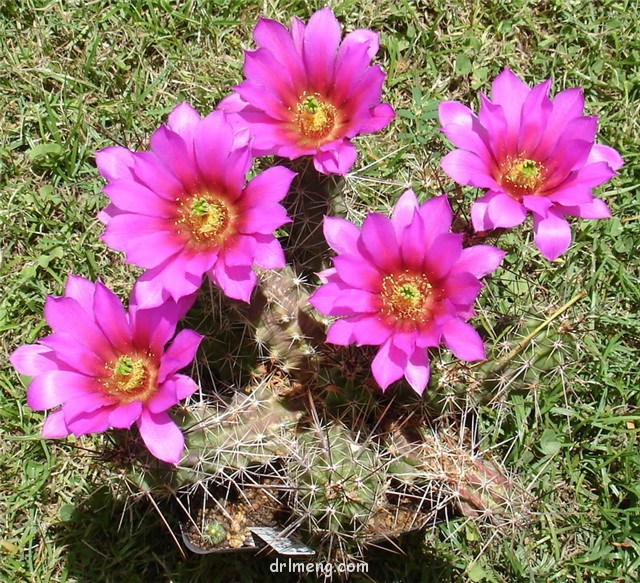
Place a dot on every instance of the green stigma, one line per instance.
(311, 105)
(124, 366)
(529, 169)
(200, 207)
(129, 374)
(409, 293)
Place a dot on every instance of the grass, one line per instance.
(77, 76)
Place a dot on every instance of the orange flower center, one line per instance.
(407, 297)
(205, 218)
(522, 176)
(131, 378)
(314, 117)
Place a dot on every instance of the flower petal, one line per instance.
(239, 250)
(161, 435)
(363, 329)
(237, 282)
(341, 235)
(123, 416)
(505, 212)
(336, 299)
(600, 153)
(264, 219)
(268, 252)
(173, 152)
(595, 209)
(171, 279)
(417, 370)
(413, 245)
(469, 169)
(185, 386)
(378, 242)
(180, 354)
(54, 426)
(479, 260)
(183, 120)
(552, 234)
(388, 365)
(154, 175)
(464, 130)
(146, 241)
(462, 287)
(153, 327)
(111, 318)
(578, 187)
(356, 272)
(90, 421)
(338, 158)
(270, 186)
(115, 163)
(274, 37)
(55, 387)
(213, 142)
(82, 291)
(536, 111)
(510, 93)
(463, 340)
(403, 211)
(436, 217)
(67, 316)
(164, 398)
(320, 47)
(34, 359)
(443, 255)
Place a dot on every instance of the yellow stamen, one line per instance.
(314, 117)
(205, 218)
(522, 176)
(407, 297)
(131, 378)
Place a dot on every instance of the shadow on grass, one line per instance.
(107, 541)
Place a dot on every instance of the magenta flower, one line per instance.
(532, 154)
(405, 284)
(308, 93)
(105, 367)
(183, 209)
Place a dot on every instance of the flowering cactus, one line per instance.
(532, 154)
(308, 93)
(104, 367)
(183, 209)
(406, 284)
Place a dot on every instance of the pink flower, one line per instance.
(532, 154)
(308, 93)
(405, 284)
(105, 367)
(183, 209)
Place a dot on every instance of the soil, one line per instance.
(225, 525)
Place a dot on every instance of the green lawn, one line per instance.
(76, 76)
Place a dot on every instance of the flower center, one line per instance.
(522, 176)
(314, 117)
(130, 378)
(205, 218)
(407, 297)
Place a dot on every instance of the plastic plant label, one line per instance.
(280, 543)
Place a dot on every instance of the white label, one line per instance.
(280, 543)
